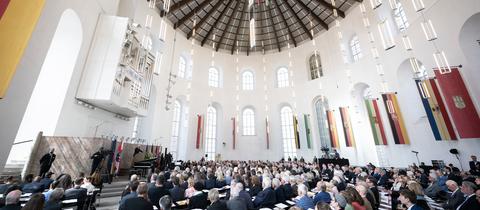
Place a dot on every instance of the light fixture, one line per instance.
(418, 5)
(415, 65)
(386, 35)
(406, 43)
(393, 4)
(375, 3)
(442, 63)
(429, 30)
(380, 69)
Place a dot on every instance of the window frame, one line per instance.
(315, 66)
(355, 48)
(213, 77)
(248, 83)
(248, 122)
(211, 132)
(283, 77)
(288, 132)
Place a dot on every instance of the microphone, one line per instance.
(415, 152)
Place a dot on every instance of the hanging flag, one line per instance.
(459, 104)
(376, 122)
(332, 127)
(234, 131)
(347, 127)
(111, 156)
(267, 131)
(118, 157)
(295, 131)
(435, 109)
(306, 118)
(395, 118)
(199, 131)
(17, 22)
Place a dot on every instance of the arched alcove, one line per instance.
(47, 99)
(469, 41)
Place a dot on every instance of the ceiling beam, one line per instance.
(205, 18)
(190, 14)
(315, 16)
(331, 7)
(234, 14)
(238, 27)
(270, 16)
(179, 5)
(298, 19)
(286, 24)
(227, 7)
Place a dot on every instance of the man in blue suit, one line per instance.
(266, 197)
(408, 198)
(34, 187)
(304, 202)
(322, 195)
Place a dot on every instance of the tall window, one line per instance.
(182, 66)
(316, 70)
(282, 77)
(211, 133)
(213, 77)
(177, 110)
(321, 106)
(248, 122)
(288, 135)
(247, 80)
(355, 48)
(400, 17)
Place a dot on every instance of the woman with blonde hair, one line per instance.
(190, 190)
(418, 190)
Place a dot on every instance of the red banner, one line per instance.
(3, 7)
(199, 131)
(459, 104)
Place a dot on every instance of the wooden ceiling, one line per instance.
(226, 22)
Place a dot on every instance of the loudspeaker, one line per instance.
(454, 151)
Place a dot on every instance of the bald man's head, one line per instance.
(13, 197)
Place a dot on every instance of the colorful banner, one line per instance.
(296, 133)
(234, 132)
(347, 127)
(332, 127)
(199, 131)
(17, 22)
(267, 131)
(376, 122)
(111, 156)
(459, 104)
(118, 157)
(437, 115)
(306, 118)
(395, 118)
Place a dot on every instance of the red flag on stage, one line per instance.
(199, 131)
(459, 104)
(347, 127)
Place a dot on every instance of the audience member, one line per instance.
(55, 200)
(139, 202)
(133, 186)
(77, 193)
(266, 197)
(47, 180)
(455, 198)
(470, 202)
(304, 201)
(158, 190)
(165, 203)
(177, 193)
(215, 203)
(36, 202)
(198, 199)
(12, 201)
(87, 184)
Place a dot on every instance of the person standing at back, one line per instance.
(141, 201)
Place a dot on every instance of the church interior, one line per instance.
(240, 104)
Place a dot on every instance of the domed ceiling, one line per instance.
(224, 24)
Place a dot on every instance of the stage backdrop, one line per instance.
(73, 154)
(17, 22)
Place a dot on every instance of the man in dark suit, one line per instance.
(456, 198)
(474, 164)
(199, 199)
(8, 183)
(12, 201)
(177, 192)
(287, 187)
(47, 180)
(214, 198)
(133, 186)
(279, 192)
(266, 197)
(34, 187)
(158, 190)
(245, 196)
(408, 198)
(235, 202)
(77, 193)
(211, 181)
(141, 201)
(46, 162)
(468, 188)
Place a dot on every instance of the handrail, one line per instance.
(22, 142)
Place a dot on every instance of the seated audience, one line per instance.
(47, 180)
(256, 186)
(455, 198)
(416, 188)
(190, 190)
(354, 200)
(211, 181)
(362, 191)
(6, 185)
(139, 202)
(165, 203)
(322, 196)
(36, 202)
(408, 198)
(77, 193)
(214, 198)
(372, 184)
(244, 195)
(12, 201)
(198, 199)
(266, 197)
(471, 202)
(303, 200)
(434, 187)
(158, 190)
(26, 180)
(177, 193)
(87, 184)
(279, 192)
(133, 186)
(55, 200)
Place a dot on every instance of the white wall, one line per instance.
(334, 86)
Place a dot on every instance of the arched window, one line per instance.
(182, 67)
(316, 70)
(247, 80)
(288, 135)
(213, 77)
(321, 106)
(177, 110)
(282, 77)
(355, 48)
(211, 133)
(400, 17)
(248, 122)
